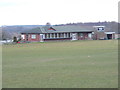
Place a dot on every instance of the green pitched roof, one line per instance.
(34, 30)
(58, 29)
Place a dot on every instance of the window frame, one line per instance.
(33, 36)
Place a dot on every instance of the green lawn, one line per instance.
(78, 64)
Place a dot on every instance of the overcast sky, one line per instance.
(38, 12)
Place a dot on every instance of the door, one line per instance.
(74, 36)
(109, 36)
(81, 36)
(90, 35)
(41, 37)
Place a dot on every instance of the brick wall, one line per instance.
(28, 37)
(85, 36)
(36, 39)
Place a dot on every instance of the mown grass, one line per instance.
(79, 64)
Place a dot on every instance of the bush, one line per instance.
(15, 39)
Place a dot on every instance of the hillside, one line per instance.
(109, 26)
(16, 29)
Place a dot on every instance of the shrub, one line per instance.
(15, 39)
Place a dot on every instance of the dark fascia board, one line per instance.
(59, 32)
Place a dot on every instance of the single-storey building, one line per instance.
(65, 32)
(100, 32)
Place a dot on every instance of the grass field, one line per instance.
(78, 64)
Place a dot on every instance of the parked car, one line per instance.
(6, 41)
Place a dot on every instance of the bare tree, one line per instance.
(5, 35)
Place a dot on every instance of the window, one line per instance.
(81, 34)
(33, 36)
(61, 35)
(68, 35)
(55, 35)
(48, 35)
(100, 29)
(45, 35)
(65, 34)
(52, 35)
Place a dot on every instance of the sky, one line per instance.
(39, 12)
